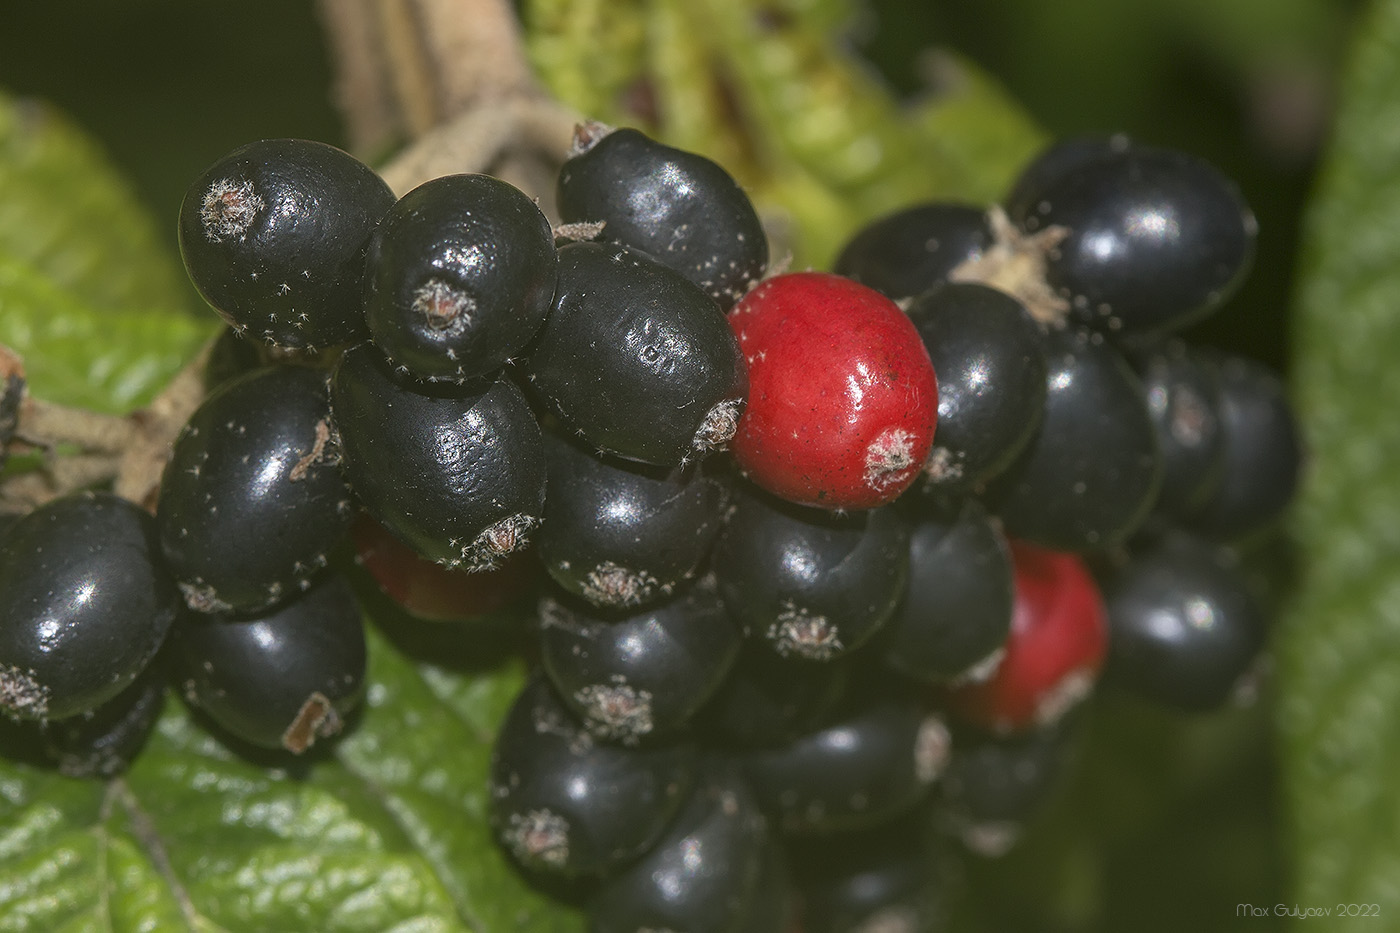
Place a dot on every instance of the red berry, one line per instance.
(1059, 636)
(431, 591)
(842, 396)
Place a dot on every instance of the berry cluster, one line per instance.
(860, 630)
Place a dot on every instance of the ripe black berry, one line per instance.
(910, 251)
(252, 498)
(891, 878)
(274, 236)
(1156, 239)
(1183, 625)
(856, 773)
(105, 741)
(989, 357)
(956, 613)
(768, 700)
(642, 675)
(564, 803)
(1263, 453)
(460, 277)
(1091, 474)
(1054, 162)
(619, 534)
(85, 603)
(280, 680)
(677, 206)
(811, 583)
(457, 472)
(701, 875)
(637, 359)
(1182, 391)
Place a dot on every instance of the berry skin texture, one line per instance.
(842, 397)
(906, 253)
(460, 277)
(274, 236)
(1057, 645)
(85, 603)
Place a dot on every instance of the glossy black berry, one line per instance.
(768, 700)
(677, 206)
(860, 771)
(891, 878)
(1156, 239)
(1182, 391)
(638, 360)
(252, 498)
(85, 603)
(906, 253)
(1183, 625)
(274, 237)
(1052, 163)
(811, 583)
(644, 674)
(1091, 473)
(701, 875)
(460, 277)
(106, 740)
(956, 612)
(457, 472)
(619, 534)
(1263, 453)
(564, 803)
(280, 680)
(995, 784)
(773, 904)
(989, 356)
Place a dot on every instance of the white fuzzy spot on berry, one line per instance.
(889, 458)
(933, 743)
(616, 711)
(720, 425)
(229, 209)
(538, 837)
(21, 694)
(943, 465)
(201, 597)
(991, 839)
(443, 306)
(610, 584)
(799, 632)
(1071, 689)
(498, 541)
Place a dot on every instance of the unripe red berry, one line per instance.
(1059, 636)
(842, 396)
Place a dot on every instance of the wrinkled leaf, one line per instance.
(388, 832)
(89, 296)
(1340, 715)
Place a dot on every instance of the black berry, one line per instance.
(252, 498)
(105, 741)
(638, 360)
(677, 206)
(768, 700)
(457, 472)
(85, 603)
(906, 253)
(1182, 390)
(460, 277)
(274, 236)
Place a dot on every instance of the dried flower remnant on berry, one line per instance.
(229, 209)
(539, 836)
(617, 710)
(317, 717)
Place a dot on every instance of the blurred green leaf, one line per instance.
(1340, 712)
(87, 295)
(388, 832)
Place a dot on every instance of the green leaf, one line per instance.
(388, 832)
(89, 297)
(1340, 709)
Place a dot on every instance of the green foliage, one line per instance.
(1340, 714)
(80, 265)
(772, 93)
(387, 832)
